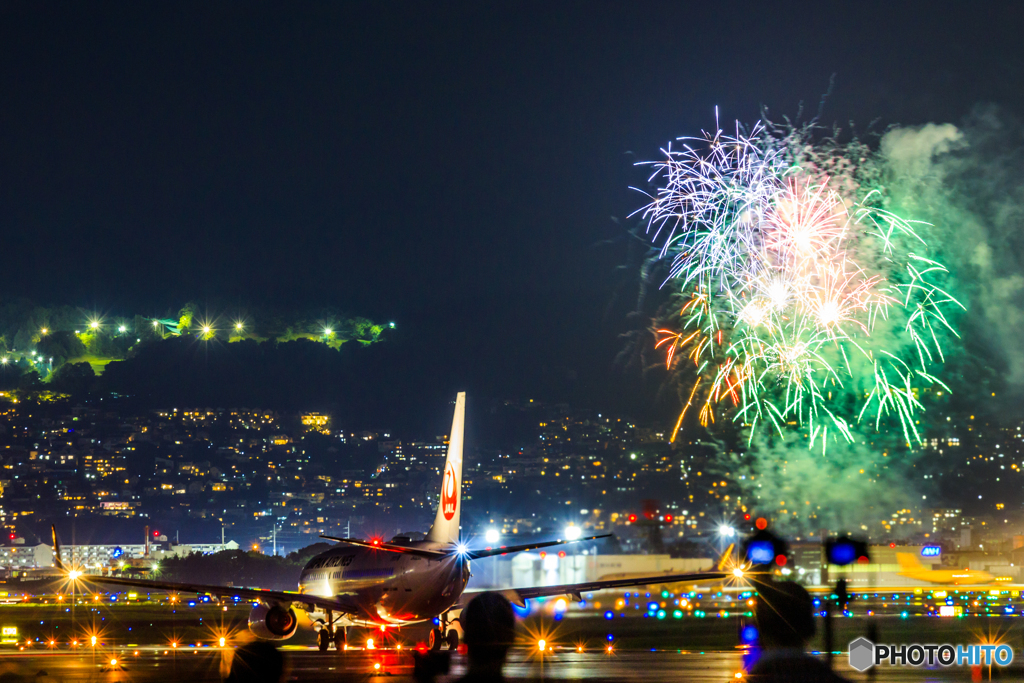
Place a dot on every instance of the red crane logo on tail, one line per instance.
(449, 493)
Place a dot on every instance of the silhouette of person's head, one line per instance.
(784, 614)
(257, 662)
(489, 625)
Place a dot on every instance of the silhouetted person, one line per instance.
(489, 625)
(257, 662)
(785, 622)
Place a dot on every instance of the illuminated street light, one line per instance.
(726, 531)
(492, 536)
(122, 329)
(542, 645)
(391, 325)
(738, 573)
(328, 332)
(3, 360)
(572, 533)
(45, 331)
(239, 326)
(94, 324)
(156, 323)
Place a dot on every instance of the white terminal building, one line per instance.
(25, 557)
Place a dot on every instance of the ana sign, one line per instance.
(931, 551)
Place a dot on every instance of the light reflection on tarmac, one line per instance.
(307, 664)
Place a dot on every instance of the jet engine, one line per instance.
(273, 622)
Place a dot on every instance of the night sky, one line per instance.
(461, 169)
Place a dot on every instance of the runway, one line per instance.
(307, 664)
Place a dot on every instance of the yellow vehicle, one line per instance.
(912, 568)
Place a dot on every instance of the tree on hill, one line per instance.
(73, 378)
(60, 346)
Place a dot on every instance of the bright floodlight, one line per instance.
(122, 328)
(94, 324)
(74, 574)
(572, 533)
(239, 326)
(738, 573)
(492, 536)
(156, 323)
(3, 360)
(461, 548)
(726, 530)
(45, 331)
(328, 332)
(206, 329)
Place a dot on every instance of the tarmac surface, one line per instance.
(390, 666)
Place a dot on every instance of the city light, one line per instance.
(369, 644)
(542, 645)
(726, 531)
(74, 574)
(222, 641)
(93, 641)
(738, 573)
(492, 536)
(122, 328)
(572, 533)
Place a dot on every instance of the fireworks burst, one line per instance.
(802, 300)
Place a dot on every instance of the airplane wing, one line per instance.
(490, 552)
(267, 596)
(519, 596)
(390, 547)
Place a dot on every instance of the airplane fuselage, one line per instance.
(386, 587)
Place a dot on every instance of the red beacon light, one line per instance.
(632, 518)
(746, 517)
(780, 560)
(668, 519)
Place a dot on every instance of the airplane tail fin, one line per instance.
(446, 523)
(56, 548)
(724, 558)
(908, 562)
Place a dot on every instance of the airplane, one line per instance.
(912, 568)
(383, 584)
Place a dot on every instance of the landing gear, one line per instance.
(435, 639)
(442, 635)
(329, 633)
